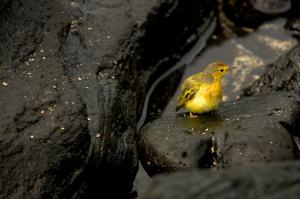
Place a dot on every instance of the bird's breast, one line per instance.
(207, 98)
(213, 90)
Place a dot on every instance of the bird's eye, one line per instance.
(222, 70)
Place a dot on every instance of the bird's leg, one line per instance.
(212, 112)
(192, 115)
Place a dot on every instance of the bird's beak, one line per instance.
(232, 67)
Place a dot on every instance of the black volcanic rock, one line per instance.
(282, 75)
(243, 132)
(253, 12)
(293, 24)
(260, 181)
(44, 136)
(73, 76)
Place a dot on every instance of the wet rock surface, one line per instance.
(44, 137)
(243, 132)
(261, 181)
(73, 77)
(282, 75)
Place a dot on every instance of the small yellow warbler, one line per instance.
(203, 91)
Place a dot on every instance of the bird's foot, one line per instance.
(193, 115)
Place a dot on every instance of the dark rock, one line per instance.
(271, 6)
(43, 141)
(119, 68)
(282, 75)
(293, 23)
(4, 3)
(260, 181)
(253, 12)
(44, 137)
(254, 129)
(73, 78)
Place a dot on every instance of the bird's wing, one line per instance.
(190, 87)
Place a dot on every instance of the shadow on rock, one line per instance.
(276, 180)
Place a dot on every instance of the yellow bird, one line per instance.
(203, 91)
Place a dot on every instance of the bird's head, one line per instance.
(217, 69)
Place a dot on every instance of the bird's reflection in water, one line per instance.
(204, 123)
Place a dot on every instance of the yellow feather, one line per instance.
(206, 99)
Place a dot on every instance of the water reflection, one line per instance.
(204, 123)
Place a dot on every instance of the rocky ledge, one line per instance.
(282, 75)
(280, 180)
(250, 130)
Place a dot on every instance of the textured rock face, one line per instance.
(43, 141)
(284, 74)
(263, 181)
(257, 129)
(73, 78)
(44, 137)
